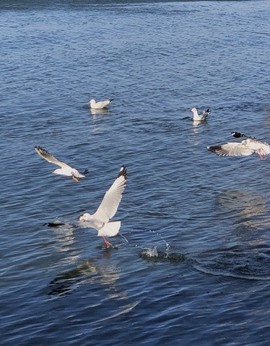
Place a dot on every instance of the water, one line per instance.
(192, 264)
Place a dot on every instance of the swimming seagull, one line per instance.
(100, 220)
(199, 117)
(100, 104)
(247, 147)
(65, 169)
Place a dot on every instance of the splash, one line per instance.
(155, 255)
(150, 252)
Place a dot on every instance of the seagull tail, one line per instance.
(110, 229)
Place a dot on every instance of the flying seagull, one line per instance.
(65, 169)
(100, 104)
(199, 117)
(247, 147)
(100, 220)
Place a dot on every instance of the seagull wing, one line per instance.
(103, 104)
(50, 158)
(112, 197)
(231, 149)
(205, 114)
(199, 117)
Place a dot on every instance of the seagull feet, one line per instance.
(107, 243)
(262, 153)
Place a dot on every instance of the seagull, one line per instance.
(100, 104)
(200, 117)
(65, 169)
(247, 147)
(100, 220)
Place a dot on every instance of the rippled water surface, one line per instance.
(192, 263)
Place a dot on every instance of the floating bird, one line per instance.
(100, 104)
(100, 220)
(247, 147)
(199, 117)
(65, 169)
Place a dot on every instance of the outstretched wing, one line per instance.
(205, 114)
(112, 198)
(50, 158)
(231, 149)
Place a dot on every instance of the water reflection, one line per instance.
(98, 126)
(243, 207)
(96, 112)
(197, 125)
(248, 257)
(89, 272)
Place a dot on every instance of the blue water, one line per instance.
(192, 263)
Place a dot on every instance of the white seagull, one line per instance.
(247, 147)
(65, 169)
(100, 104)
(199, 117)
(100, 220)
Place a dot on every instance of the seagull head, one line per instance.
(236, 134)
(91, 102)
(85, 217)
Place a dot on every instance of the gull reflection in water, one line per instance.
(197, 125)
(89, 272)
(96, 112)
(101, 280)
(241, 203)
(247, 212)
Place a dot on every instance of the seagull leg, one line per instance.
(107, 243)
(264, 152)
(75, 178)
(260, 152)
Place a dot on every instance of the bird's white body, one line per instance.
(100, 104)
(104, 229)
(199, 117)
(100, 220)
(69, 172)
(245, 148)
(64, 169)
